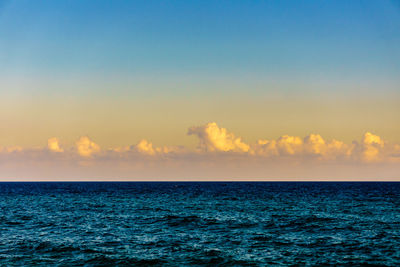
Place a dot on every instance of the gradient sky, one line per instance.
(122, 71)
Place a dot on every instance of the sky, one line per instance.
(221, 90)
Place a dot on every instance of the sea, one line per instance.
(199, 223)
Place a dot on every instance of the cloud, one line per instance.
(86, 147)
(312, 145)
(337, 149)
(289, 145)
(220, 154)
(372, 147)
(145, 147)
(53, 145)
(11, 149)
(213, 138)
(315, 144)
(265, 148)
(285, 145)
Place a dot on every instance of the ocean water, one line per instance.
(180, 224)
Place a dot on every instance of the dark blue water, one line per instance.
(176, 224)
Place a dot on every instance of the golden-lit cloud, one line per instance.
(372, 146)
(265, 148)
(337, 149)
(219, 153)
(86, 147)
(145, 147)
(213, 138)
(53, 145)
(294, 146)
(289, 145)
(315, 144)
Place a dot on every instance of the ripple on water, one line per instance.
(233, 224)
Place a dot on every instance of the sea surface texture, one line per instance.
(180, 224)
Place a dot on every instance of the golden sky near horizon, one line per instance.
(134, 89)
(121, 121)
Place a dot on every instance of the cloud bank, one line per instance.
(219, 154)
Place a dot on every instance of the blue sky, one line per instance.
(332, 41)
